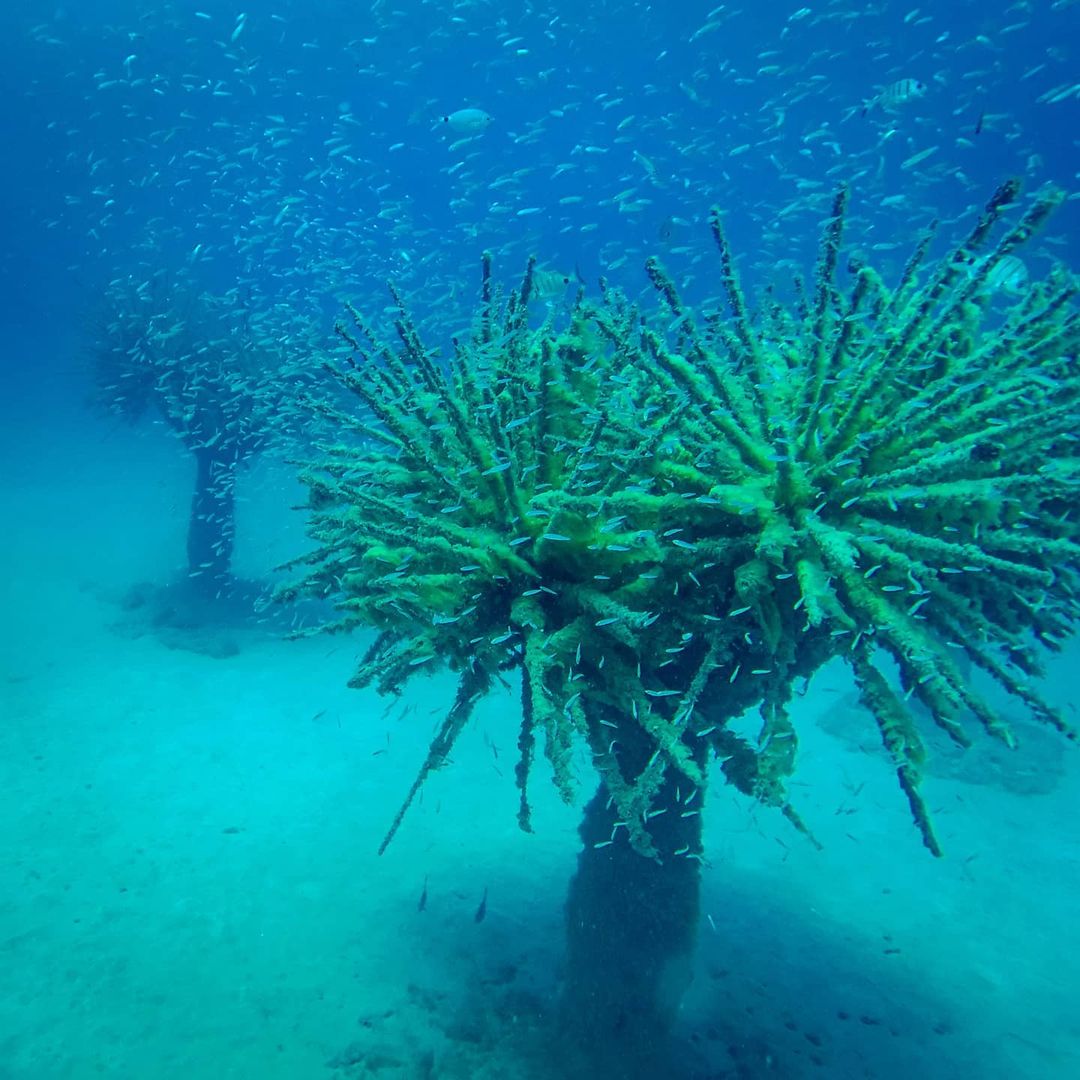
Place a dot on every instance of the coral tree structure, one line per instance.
(216, 375)
(663, 522)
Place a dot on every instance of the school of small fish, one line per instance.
(305, 157)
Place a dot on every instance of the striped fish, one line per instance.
(1009, 275)
(896, 95)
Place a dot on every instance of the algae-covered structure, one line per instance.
(215, 370)
(665, 520)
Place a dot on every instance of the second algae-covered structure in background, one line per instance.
(217, 372)
(661, 528)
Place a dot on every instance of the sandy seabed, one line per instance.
(189, 884)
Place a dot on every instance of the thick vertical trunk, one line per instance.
(212, 525)
(631, 930)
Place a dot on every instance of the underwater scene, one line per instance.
(542, 540)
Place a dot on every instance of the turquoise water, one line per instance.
(192, 803)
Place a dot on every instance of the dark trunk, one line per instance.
(631, 928)
(212, 527)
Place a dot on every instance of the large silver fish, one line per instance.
(1008, 275)
(896, 95)
(468, 121)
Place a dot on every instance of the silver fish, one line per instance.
(1008, 275)
(549, 284)
(896, 95)
(468, 121)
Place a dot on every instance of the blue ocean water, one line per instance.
(190, 885)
